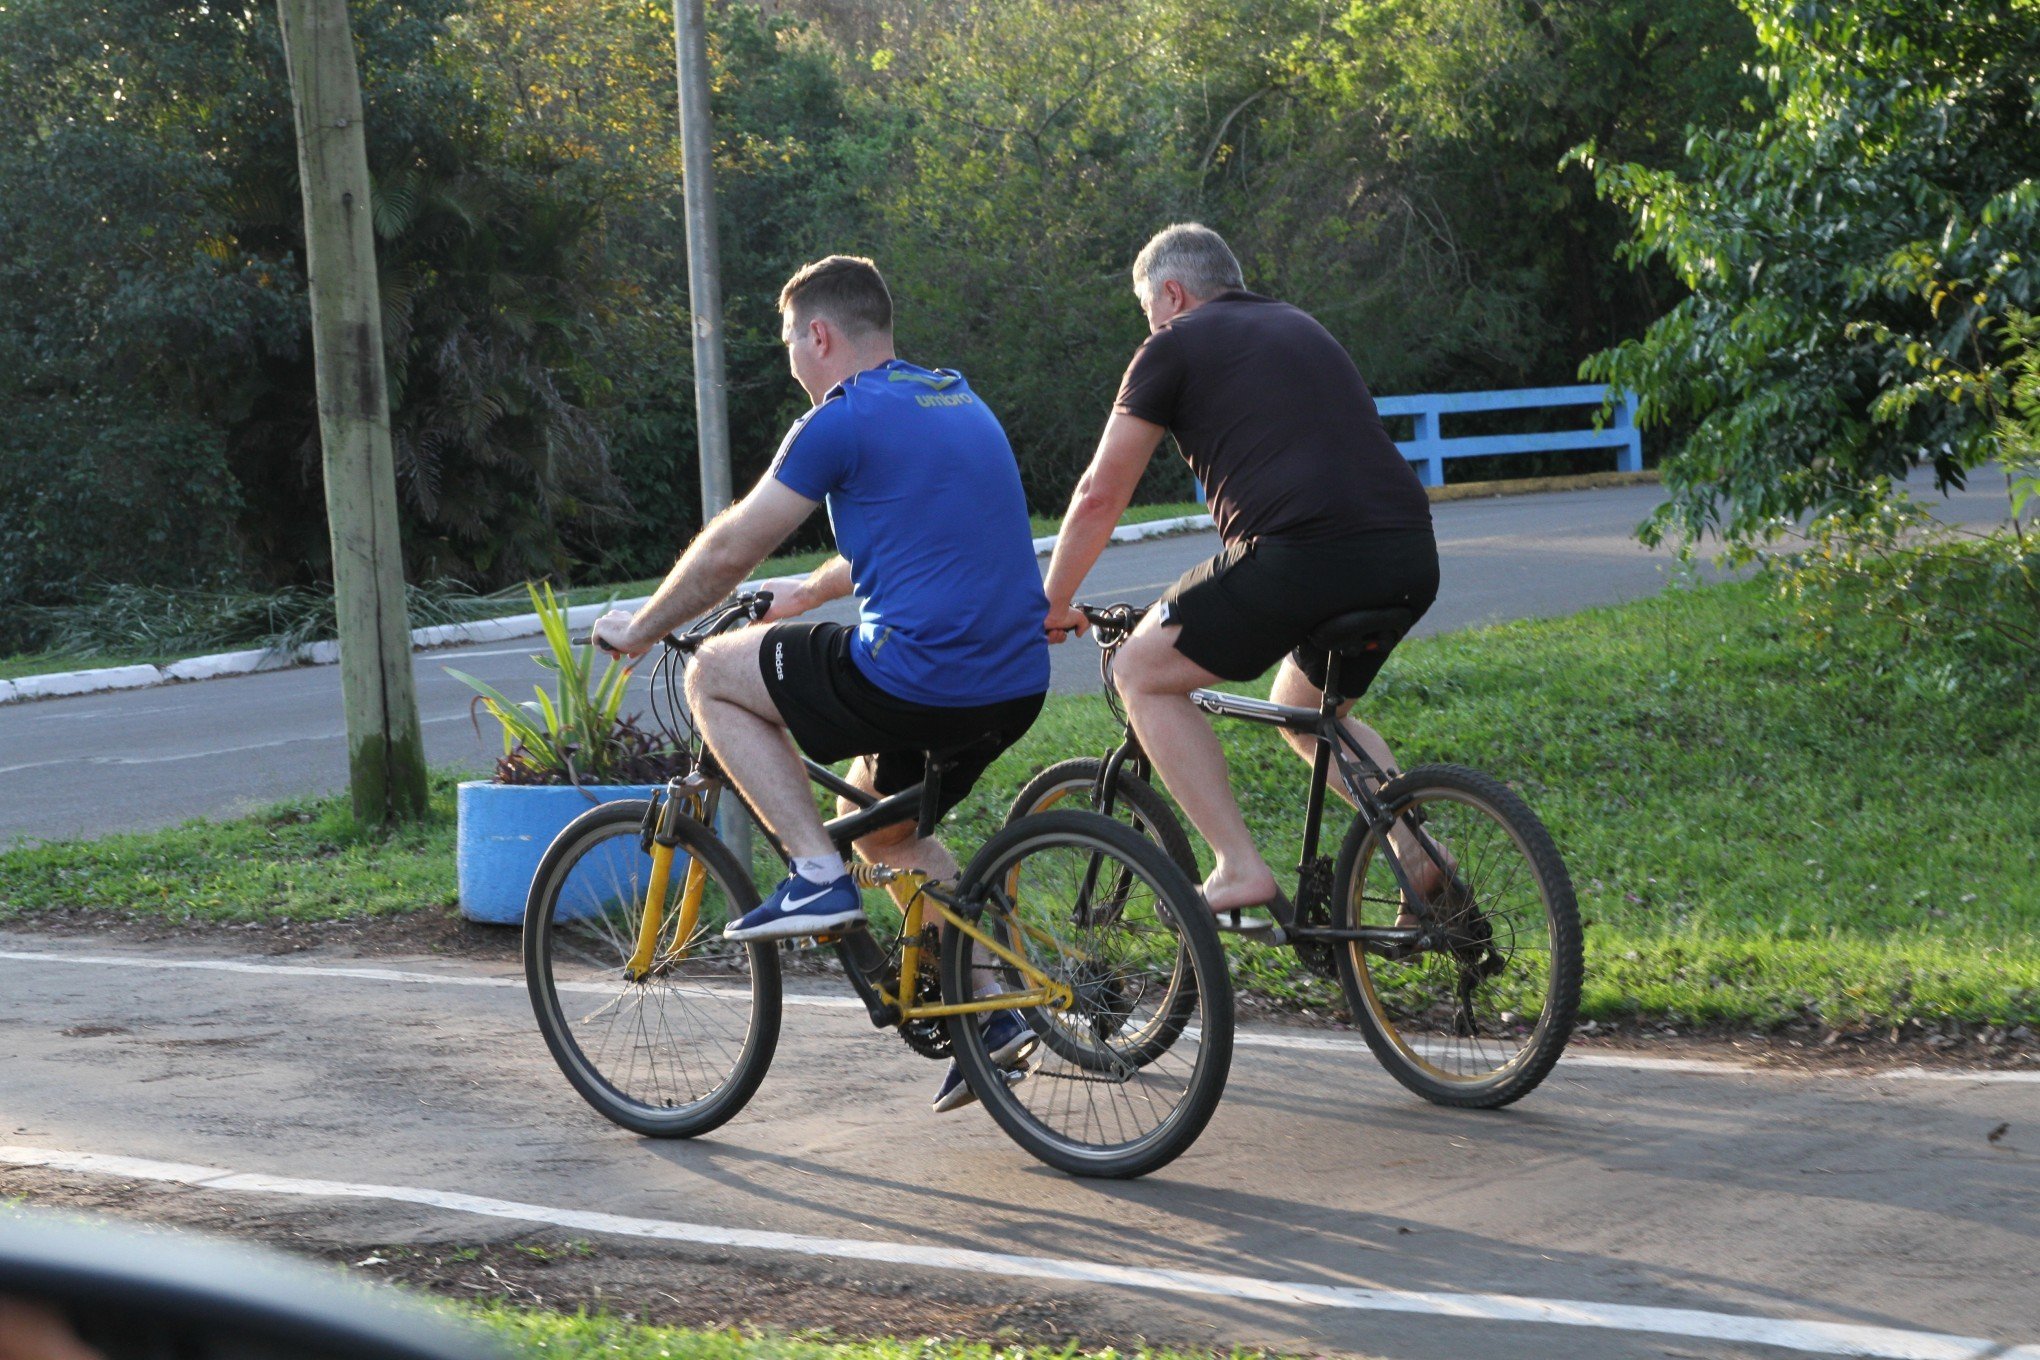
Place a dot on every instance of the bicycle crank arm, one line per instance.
(863, 960)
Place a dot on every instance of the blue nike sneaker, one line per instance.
(1008, 1039)
(798, 907)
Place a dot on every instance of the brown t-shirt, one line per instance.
(1273, 417)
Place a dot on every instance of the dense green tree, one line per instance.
(592, 86)
(1855, 263)
(152, 276)
(1392, 165)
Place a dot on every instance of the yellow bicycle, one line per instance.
(1072, 920)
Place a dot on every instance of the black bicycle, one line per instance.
(1467, 991)
(1085, 928)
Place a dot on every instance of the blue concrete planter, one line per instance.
(504, 832)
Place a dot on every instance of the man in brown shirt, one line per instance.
(1319, 512)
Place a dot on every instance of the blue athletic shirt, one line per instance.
(925, 501)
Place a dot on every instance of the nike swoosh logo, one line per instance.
(795, 903)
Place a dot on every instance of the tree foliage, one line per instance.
(1855, 264)
(1389, 164)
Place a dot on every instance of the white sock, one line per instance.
(821, 870)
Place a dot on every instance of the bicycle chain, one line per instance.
(1314, 911)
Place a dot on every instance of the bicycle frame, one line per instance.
(1358, 772)
(695, 796)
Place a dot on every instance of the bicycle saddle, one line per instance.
(1362, 630)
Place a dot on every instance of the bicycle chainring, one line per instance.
(1314, 911)
(930, 1037)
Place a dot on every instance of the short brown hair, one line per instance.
(846, 289)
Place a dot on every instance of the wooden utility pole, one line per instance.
(704, 264)
(704, 300)
(385, 754)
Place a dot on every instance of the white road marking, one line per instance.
(1244, 1038)
(1827, 1338)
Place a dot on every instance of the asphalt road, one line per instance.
(1630, 1207)
(154, 757)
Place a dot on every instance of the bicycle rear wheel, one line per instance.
(1479, 1020)
(1142, 1048)
(681, 1050)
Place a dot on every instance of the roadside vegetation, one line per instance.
(149, 625)
(537, 1333)
(1396, 166)
(1768, 821)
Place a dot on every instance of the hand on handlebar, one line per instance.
(614, 635)
(786, 597)
(1065, 623)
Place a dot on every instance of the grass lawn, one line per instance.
(536, 1333)
(1759, 832)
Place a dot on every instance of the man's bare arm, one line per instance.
(721, 556)
(1101, 497)
(829, 581)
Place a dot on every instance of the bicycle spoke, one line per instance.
(1489, 991)
(675, 1040)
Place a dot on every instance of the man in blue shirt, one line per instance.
(948, 652)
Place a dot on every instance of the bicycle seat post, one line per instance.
(938, 762)
(1321, 761)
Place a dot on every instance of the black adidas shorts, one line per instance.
(834, 713)
(1246, 608)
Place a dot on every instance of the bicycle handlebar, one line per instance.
(1113, 623)
(738, 609)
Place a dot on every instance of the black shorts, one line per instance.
(834, 713)
(1246, 608)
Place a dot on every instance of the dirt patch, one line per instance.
(418, 932)
(643, 1282)
(1801, 1045)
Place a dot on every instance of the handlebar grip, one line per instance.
(1113, 619)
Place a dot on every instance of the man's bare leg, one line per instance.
(1155, 680)
(896, 846)
(729, 701)
(1293, 687)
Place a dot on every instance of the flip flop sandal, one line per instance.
(1236, 922)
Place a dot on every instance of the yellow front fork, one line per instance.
(653, 918)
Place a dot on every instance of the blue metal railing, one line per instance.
(1429, 448)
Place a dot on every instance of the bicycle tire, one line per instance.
(1522, 936)
(1146, 811)
(1165, 918)
(580, 923)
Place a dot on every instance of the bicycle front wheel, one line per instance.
(1478, 1016)
(1142, 1025)
(680, 1048)
(1069, 784)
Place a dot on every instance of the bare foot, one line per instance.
(1428, 881)
(1229, 889)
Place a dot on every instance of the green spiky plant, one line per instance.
(576, 734)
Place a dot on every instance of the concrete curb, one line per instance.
(63, 684)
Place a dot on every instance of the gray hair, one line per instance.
(1193, 255)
